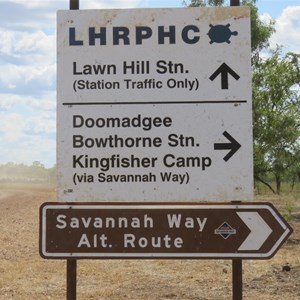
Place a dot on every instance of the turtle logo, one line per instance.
(220, 33)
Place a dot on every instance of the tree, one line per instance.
(294, 170)
(276, 114)
(275, 100)
(24, 173)
(198, 3)
(260, 31)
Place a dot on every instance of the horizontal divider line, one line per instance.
(154, 102)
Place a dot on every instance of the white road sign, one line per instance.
(154, 105)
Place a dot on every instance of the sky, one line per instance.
(28, 67)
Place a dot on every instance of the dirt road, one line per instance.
(25, 275)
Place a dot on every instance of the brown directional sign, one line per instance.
(133, 230)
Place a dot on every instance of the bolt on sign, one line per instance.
(154, 105)
(135, 230)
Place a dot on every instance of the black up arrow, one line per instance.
(233, 146)
(224, 70)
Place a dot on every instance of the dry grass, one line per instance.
(25, 275)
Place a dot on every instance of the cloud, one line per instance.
(15, 125)
(27, 62)
(28, 76)
(287, 29)
(27, 80)
(109, 4)
(27, 138)
(22, 16)
(9, 101)
(84, 4)
(29, 149)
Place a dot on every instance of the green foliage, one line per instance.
(287, 190)
(276, 120)
(260, 31)
(198, 3)
(276, 114)
(288, 210)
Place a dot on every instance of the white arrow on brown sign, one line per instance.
(260, 230)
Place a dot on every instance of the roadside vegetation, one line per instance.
(21, 173)
(276, 106)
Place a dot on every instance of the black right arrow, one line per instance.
(224, 70)
(233, 146)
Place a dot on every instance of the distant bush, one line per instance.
(36, 173)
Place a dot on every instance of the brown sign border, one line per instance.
(252, 206)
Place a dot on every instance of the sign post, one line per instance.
(237, 264)
(72, 263)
